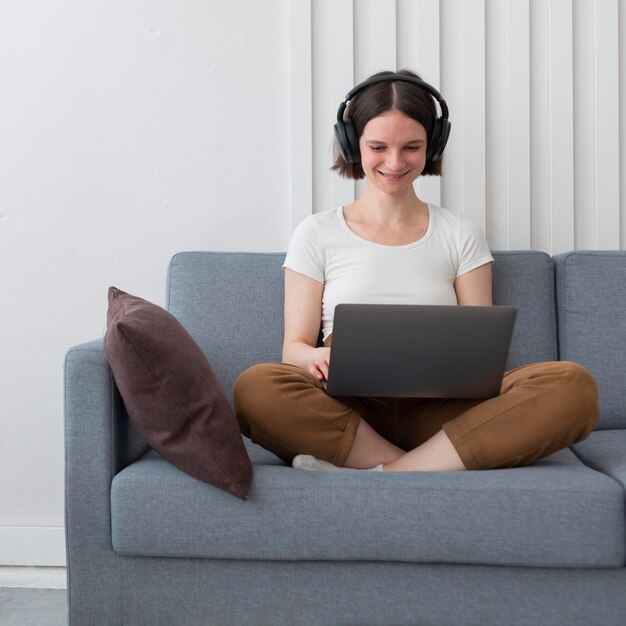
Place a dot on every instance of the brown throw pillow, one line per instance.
(172, 395)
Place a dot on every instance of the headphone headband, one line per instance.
(393, 78)
(345, 132)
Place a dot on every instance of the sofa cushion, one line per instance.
(172, 395)
(232, 305)
(591, 296)
(555, 513)
(525, 279)
(605, 451)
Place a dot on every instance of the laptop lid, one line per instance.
(424, 351)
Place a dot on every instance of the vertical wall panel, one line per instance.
(301, 162)
(496, 139)
(607, 125)
(374, 42)
(507, 124)
(463, 82)
(552, 145)
(622, 120)
(418, 50)
(333, 77)
(596, 110)
(585, 123)
(374, 37)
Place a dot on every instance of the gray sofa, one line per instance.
(538, 545)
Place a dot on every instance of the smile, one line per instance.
(393, 177)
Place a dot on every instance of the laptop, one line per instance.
(420, 351)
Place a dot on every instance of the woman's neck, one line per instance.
(387, 209)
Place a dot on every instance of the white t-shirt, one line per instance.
(355, 270)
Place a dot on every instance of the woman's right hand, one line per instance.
(303, 310)
(319, 366)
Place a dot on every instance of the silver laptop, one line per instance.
(422, 351)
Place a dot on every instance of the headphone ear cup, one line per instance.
(353, 142)
(347, 141)
(342, 141)
(433, 141)
(438, 139)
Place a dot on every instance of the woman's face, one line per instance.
(393, 151)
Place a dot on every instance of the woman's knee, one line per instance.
(278, 406)
(252, 387)
(257, 406)
(266, 387)
(583, 394)
(249, 379)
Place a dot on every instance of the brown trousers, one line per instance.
(541, 408)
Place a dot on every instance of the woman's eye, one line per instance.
(413, 148)
(377, 148)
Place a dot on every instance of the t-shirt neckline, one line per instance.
(421, 240)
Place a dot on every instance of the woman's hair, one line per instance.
(383, 97)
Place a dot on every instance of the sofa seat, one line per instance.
(603, 451)
(557, 512)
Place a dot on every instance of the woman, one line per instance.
(391, 247)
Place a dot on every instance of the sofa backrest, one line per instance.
(525, 279)
(591, 301)
(232, 305)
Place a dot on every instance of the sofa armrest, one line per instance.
(95, 415)
(99, 442)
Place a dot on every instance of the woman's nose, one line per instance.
(395, 160)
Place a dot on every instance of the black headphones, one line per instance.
(346, 136)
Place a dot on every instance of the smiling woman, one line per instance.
(393, 151)
(381, 97)
(390, 247)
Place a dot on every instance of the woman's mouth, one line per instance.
(393, 177)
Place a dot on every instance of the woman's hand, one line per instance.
(321, 361)
(303, 311)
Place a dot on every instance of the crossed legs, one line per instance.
(541, 408)
(370, 449)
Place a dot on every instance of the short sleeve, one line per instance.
(305, 254)
(474, 249)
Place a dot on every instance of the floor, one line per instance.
(33, 607)
(33, 596)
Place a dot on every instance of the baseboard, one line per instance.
(38, 546)
(33, 578)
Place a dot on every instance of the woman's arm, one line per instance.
(474, 287)
(303, 315)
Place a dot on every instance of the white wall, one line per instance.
(132, 130)
(128, 131)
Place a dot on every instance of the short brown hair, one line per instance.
(380, 98)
